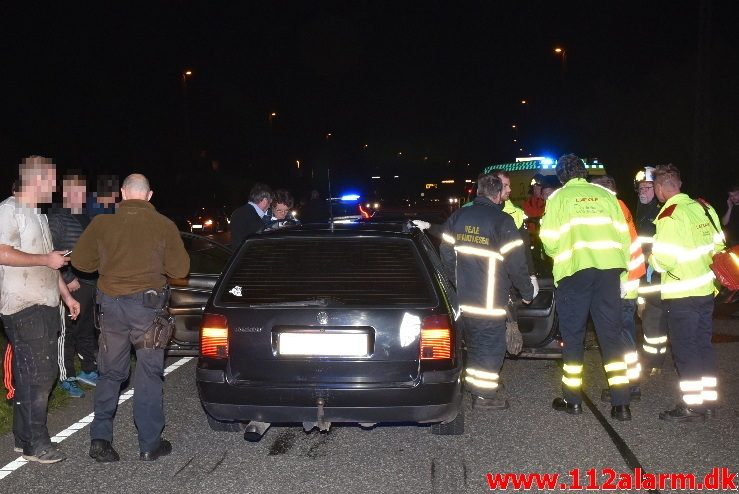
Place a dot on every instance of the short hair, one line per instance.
(75, 176)
(107, 184)
(489, 186)
(501, 174)
(667, 175)
(282, 196)
(259, 192)
(606, 181)
(570, 166)
(734, 188)
(32, 163)
(136, 182)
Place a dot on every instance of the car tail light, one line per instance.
(436, 338)
(214, 336)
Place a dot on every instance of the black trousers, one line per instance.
(78, 336)
(485, 341)
(124, 321)
(33, 333)
(595, 292)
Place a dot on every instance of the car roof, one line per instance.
(343, 229)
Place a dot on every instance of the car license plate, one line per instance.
(195, 227)
(323, 344)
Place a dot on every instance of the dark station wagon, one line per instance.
(316, 325)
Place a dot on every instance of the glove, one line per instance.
(535, 282)
(513, 338)
(421, 225)
(623, 289)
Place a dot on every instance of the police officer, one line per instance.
(585, 232)
(654, 323)
(133, 250)
(482, 251)
(683, 248)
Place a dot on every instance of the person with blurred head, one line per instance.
(134, 251)
(585, 232)
(78, 336)
(30, 288)
(548, 185)
(282, 204)
(629, 285)
(248, 219)
(684, 245)
(105, 197)
(730, 219)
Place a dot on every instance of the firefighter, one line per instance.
(585, 232)
(683, 248)
(483, 253)
(654, 324)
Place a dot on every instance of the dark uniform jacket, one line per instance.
(484, 254)
(244, 222)
(133, 250)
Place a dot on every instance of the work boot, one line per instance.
(102, 451)
(495, 403)
(561, 405)
(72, 389)
(165, 448)
(49, 454)
(621, 412)
(682, 413)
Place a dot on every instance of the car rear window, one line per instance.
(358, 272)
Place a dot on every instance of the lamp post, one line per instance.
(186, 75)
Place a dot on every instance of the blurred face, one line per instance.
(505, 194)
(646, 192)
(536, 190)
(280, 211)
(44, 181)
(74, 195)
(659, 191)
(734, 197)
(546, 192)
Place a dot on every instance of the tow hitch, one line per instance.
(320, 422)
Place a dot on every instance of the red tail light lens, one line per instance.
(436, 338)
(214, 336)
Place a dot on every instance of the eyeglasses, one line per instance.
(279, 210)
(645, 188)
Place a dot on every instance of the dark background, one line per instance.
(100, 87)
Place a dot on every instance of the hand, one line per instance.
(73, 306)
(73, 285)
(730, 203)
(421, 225)
(56, 259)
(535, 282)
(513, 338)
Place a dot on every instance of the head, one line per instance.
(667, 182)
(734, 195)
(36, 180)
(107, 190)
(644, 184)
(535, 189)
(547, 190)
(136, 186)
(282, 203)
(261, 195)
(505, 181)
(491, 187)
(570, 166)
(74, 191)
(606, 181)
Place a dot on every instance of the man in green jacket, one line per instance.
(584, 230)
(686, 239)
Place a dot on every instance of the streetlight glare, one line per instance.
(188, 72)
(523, 101)
(273, 114)
(558, 50)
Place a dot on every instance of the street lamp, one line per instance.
(559, 51)
(523, 102)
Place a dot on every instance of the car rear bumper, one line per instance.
(425, 402)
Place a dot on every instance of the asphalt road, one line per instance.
(529, 437)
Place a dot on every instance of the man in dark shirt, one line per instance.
(247, 219)
(730, 219)
(134, 251)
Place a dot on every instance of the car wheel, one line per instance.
(220, 426)
(453, 428)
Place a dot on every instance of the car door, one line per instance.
(189, 295)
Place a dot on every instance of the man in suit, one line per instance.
(247, 219)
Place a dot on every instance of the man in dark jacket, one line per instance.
(247, 219)
(482, 252)
(77, 336)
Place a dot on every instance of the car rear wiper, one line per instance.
(313, 302)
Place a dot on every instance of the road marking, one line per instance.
(84, 422)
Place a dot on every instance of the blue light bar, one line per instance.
(349, 197)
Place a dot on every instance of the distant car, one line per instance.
(316, 325)
(189, 295)
(208, 220)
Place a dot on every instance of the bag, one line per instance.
(725, 263)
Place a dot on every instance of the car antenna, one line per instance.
(330, 198)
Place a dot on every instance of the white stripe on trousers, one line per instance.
(60, 344)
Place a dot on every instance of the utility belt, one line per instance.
(158, 333)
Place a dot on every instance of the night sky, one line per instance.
(100, 87)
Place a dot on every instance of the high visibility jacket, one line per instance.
(684, 246)
(636, 268)
(482, 251)
(583, 227)
(516, 213)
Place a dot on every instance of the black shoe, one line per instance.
(681, 413)
(621, 412)
(102, 451)
(561, 405)
(50, 454)
(165, 448)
